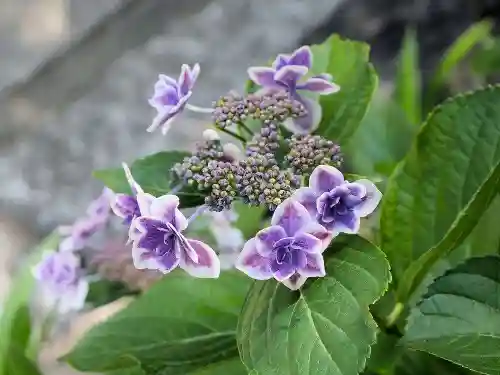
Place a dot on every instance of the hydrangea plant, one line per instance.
(275, 253)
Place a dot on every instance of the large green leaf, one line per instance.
(439, 192)
(459, 318)
(348, 63)
(456, 53)
(153, 174)
(408, 80)
(325, 328)
(181, 324)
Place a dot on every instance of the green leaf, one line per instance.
(408, 80)
(459, 318)
(13, 319)
(381, 141)
(348, 63)
(16, 362)
(151, 172)
(326, 327)
(439, 192)
(455, 54)
(181, 324)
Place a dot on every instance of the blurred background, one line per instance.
(75, 76)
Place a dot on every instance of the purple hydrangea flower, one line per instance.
(288, 73)
(171, 96)
(61, 284)
(290, 250)
(336, 203)
(84, 228)
(129, 207)
(159, 244)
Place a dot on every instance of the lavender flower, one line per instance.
(84, 228)
(129, 207)
(159, 244)
(61, 284)
(290, 250)
(336, 203)
(171, 96)
(288, 73)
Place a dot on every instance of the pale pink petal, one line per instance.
(373, 197)
(319, 86)
(295, 281)
(267, 237)
(208, 264)
(164, 208)
(302, 56)
(307, 198)
(315, 266)
(324, 178)
(252, 263)
(290, 74)
(262, 76)
(291, 216)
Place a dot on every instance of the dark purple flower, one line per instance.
(61, 284)
(336, 203)
(290, 250)
(129, 207)
(160, 245)
(96, 218)
(171, 96)
(288, 72)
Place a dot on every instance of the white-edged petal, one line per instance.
(373, 198)
(207, 265)
(252, 263)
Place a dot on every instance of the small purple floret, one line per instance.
(288, 72)
(158, 242)
(337, 204)
(60, 281)
(290, 250)
(171, 96)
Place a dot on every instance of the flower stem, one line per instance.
(233, 134)
(395, 313)
(197, 109)
(197, 213)
(246, 128)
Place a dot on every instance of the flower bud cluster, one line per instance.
(274, 107)
(309, 151)
(266, 142)
(261, 182)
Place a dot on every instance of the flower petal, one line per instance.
(208, 264)
(280, 61)
(324, 178)
(319, 86)
(187, 78)
(295, 281)
(267, 237)
(145, 260)
(291, 216)
(320, 232)
(252, 263)
(165, 208)
(315, 266)
(289, 75)
(307, 198)
(373, 197)
(144, 201)
(307, 243)
(136, 188)
(262, 76)
(308, 123)
(348, 223)
(166, 80)
(302, 56)
(74, 300)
